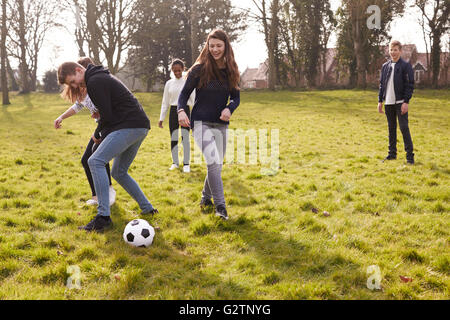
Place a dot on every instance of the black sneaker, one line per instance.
(221, 211)
(206, 205)
(98, 224)
(389, 157)
(152, 212)
(410, 161)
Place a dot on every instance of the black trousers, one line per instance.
(90, 149)
(173, 127)
(394, 112)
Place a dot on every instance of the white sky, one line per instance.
(60, 45)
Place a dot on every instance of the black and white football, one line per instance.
(139, 233)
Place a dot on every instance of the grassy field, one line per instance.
(274, 246)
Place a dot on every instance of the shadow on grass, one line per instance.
(27, 102)
(162, 271)
(293, 259)
(6, 116)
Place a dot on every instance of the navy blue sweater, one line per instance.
(403, 80)
(211, 99)
(118, 107)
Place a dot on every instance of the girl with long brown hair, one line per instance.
(215, 77)
(80, 99)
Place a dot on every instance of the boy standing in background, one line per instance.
(396, 89)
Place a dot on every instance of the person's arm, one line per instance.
(235, 100)
(99, 91)
(381, 92)
(191, 83)
(408, 84)
(408, 79)
(191, 100)
(69, 112)
(165, 104)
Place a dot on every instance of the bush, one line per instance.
(51, 81)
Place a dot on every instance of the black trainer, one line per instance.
(98, 224)
(410, 161)
(206, 205)
(389, 157)
(221, 211)
(152, 212)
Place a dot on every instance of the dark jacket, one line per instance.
(403, 80)
(118, 107)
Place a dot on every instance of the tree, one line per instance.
(290, 45)
(366, 41)
(176, 29)
(20, 29)
(30, 23)
(3, 53)
(438, 23)
(268, 16)
(200, 17)
(315, 20)
(106, 27)
(51, 81)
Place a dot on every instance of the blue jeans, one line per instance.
(122, 146)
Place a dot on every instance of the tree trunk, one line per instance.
(33, 80)
(4, 78)
(23, 49)
(12, 78)
(436, 58)
(91, 20)
(194, 30)
(358, 46)
(273, 34)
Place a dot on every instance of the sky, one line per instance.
(250, 51)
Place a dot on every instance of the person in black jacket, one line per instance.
(122, 128)
(396, 89)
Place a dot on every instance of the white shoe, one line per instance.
(187, 168)
(92, 202)
(174, 166)
(112, 196)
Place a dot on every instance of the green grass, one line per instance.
(273, 247)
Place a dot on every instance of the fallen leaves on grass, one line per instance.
(405, 279)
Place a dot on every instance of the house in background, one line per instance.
(331, 76)
(134, 83)
(255, 78)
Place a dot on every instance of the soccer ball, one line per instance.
(139, 233)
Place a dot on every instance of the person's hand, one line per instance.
(380, 107)
(405, 107)
(226, 115)
(160, 124)
(183, 119)
(58, 122)
(97, 141)
(95, 115)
